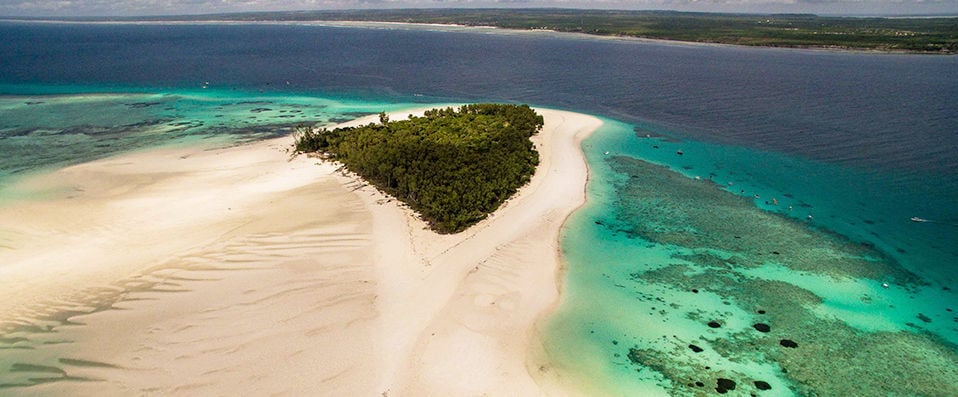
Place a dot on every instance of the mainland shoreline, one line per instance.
(278, 275)
(489, 29)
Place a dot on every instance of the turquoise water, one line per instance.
(44, 132)
(669, 243)
(859, 142)
(666, 244)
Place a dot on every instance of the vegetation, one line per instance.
(921, 35)
(453, 167)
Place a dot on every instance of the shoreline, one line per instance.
(595, 36)
(452, 27)
(548, 376)
(475, 256)
(362, 286)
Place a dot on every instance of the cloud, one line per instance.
(168, 7)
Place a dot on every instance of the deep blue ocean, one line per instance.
(838, 149)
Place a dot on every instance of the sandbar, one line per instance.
(247, 270)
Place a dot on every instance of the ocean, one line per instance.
(749, 216)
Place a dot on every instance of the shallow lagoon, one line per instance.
(677, 278)
(859, 142)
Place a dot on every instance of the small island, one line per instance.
(452, 166)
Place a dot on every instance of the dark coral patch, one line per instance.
(762, 327)
(788, 343)
(762, 385)
(723, 385)
(714, 324)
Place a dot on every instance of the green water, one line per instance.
(658, 254)
(667, 244)
(39, 133)
(43, 133)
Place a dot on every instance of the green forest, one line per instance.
(926, 35)
(452, 166)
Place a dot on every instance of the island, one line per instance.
(452, 166)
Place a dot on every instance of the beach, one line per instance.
(248, 270)
(748, 220)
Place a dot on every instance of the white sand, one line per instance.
(290, 278)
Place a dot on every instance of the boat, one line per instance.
(917, 219)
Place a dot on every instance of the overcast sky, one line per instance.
(168, 7)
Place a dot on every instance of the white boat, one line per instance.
(917, 219)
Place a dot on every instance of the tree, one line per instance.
(454, 167)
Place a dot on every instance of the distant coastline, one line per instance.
(887, 34)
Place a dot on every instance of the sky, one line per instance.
(65, 8)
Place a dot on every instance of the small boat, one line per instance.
(679, 152)
(917, 219)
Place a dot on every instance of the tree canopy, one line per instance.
(928, 35)
(452, 166)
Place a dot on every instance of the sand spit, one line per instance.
(245, 271)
